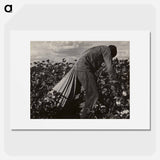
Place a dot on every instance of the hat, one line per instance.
(113, 50)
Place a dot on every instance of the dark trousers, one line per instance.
(88, 82)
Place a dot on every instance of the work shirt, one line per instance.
(92, 59)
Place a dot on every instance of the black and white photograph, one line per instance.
(79, 79)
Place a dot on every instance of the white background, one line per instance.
(139, 83)
(86, 145)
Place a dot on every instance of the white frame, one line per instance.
(139, 83)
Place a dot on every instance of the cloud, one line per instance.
(52, 49)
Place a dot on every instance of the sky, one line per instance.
(56, 50)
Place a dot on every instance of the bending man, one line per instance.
(85, 68)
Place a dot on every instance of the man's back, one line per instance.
(92, 58)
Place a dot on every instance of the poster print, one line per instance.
(80, 80)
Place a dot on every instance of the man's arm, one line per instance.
(111, 71)
(108, 63)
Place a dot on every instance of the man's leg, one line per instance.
(88, 82)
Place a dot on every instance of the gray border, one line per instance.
(150, 79)
(81, 129)
(105, 129)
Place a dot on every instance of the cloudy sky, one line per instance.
(56, 50)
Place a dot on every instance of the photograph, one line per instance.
(79, 79)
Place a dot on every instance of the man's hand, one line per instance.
(113, 88)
